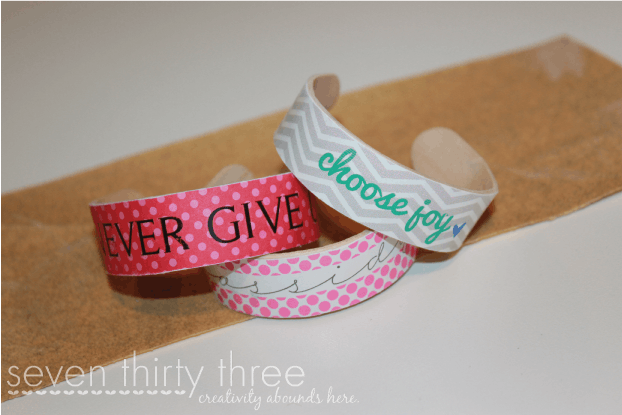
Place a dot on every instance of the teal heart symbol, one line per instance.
(457, 229)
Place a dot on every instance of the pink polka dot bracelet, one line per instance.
(313, 282)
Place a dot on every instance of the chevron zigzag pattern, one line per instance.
(308, 132)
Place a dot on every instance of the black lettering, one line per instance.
(290, 211)
(275, 224)
(128, 247)
(210, 225)
(101, 239)
(166, 233)
(109, 239)
(142, 237)
(249, 224)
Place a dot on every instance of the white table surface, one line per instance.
(529, 322)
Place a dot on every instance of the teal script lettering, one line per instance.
(369, 191)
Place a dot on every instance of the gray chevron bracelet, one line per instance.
(434, 205)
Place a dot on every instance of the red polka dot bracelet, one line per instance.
(204, 227)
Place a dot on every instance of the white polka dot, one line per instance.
(215, 199)
(235, 251)
(139, 267)
(142, 202)
(113, 206)
(273, 189)
(180, 250)
(224, 188)
(255, 247)
(258, 213)
(244, 185)
(172, 262)
(109, 216)
(126, 205)
(273, 243)
(263, 234)
(185, 216)
(214, 255)
(202, 246)
(206, 212)
(219, 221)
(266, 201)
(154, 265)
(255, 192)
(193, 259)
(160, 199)
(290, 239)
(235, 196)
(121, 215)
(203, 192)
(190, 237)
(262, 180)
(288, 185)
(181, 195)
(194, 204)
(157, 232)
(135, 213)
(153, 210)
(279, 178)
(198, 224)
(172, 207)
